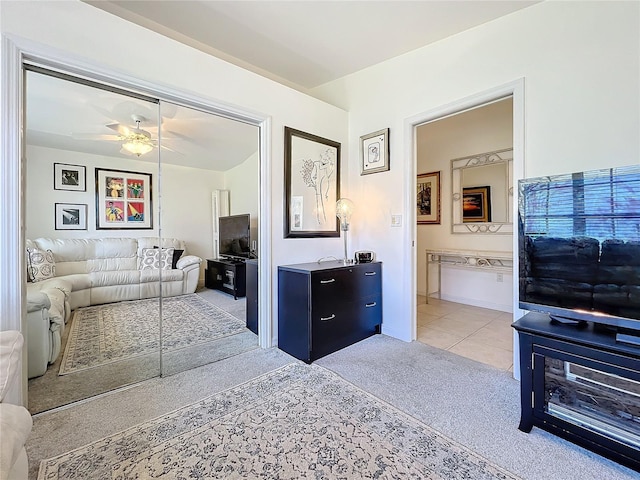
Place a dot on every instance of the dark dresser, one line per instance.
(323, 307)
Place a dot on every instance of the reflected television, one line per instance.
(234, 235)
(579, 248)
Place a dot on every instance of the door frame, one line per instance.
(16, 52)
(514, 89)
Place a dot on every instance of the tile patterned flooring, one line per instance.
(477, 333)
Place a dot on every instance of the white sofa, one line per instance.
(15, 420)
(96, 271)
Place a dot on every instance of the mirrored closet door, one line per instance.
(91, 216)
(130, 274)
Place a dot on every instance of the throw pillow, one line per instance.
(177, 253)
(40, 264)
(156, 259)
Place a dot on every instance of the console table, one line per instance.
(480, 260)
(228, 276)
(323, 307)
(580, 384)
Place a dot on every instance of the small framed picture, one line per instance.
(374, 152)
(428, 198)
(69, 177)
(476, 204)
(71, 216)
(123, 200)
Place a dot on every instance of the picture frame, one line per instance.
(476, 204)
(70, 216)
(374, 152)
(124, 200)
(428, 198)
(312, 185)
(69, 177)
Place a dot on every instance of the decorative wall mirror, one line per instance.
(482, 193)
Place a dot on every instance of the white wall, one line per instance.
(580, 62)
(243, 183)
(185, 197)
(80, 33)
(481, 130)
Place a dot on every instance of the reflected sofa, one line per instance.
(96, 271)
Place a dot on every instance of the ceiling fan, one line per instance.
(135, 140)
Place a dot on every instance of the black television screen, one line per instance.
(579, 246)
(234, 236)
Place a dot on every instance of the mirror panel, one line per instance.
(482, 193)
(204, 155)
(88, 205)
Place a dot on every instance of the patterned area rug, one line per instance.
(109, 333)
(300, 421)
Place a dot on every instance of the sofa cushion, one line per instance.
(156, 258)
(154, 275)
(115, 277)
(40, 264)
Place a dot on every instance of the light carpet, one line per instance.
(299, 421)
(105, 334)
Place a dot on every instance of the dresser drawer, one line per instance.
(349, 322)
(347, 284)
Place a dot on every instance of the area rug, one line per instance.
(297, 422)
(109, 333)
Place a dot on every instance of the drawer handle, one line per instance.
(369, 274)
(331, 280)
(372, 304)
(324, 319)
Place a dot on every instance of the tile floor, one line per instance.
(478, 333)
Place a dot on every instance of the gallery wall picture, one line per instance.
(428, 198)
(71, 216)
(374, 152)
(69, 177)
(123, 200)
(312, 185)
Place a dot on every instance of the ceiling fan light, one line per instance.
(137, 147)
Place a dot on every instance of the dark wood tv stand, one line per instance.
(226, 275)
(582, 385)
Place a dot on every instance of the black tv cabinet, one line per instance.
(226, 275)
(582, 385)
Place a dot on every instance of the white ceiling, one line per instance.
(304, 44)
(301, 44)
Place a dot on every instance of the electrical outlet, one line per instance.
(500, 278)
(396, 220)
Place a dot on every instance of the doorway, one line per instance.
(457, 305)
(166, 183)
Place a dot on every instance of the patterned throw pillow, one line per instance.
(156, 259)
(40, 264)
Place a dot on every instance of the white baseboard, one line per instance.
(479, 303)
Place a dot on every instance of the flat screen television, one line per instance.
(234, 236)
(579, 248)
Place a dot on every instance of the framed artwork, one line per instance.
(428, 198)
(374, 152)
(312, 185)
(123, 200)
(69, 177)
(71, 216)
(476, 204)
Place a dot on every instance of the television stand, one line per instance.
(582, 385)
(226, 275)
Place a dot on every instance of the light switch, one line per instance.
(396, 220)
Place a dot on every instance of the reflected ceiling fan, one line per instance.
(135, 141)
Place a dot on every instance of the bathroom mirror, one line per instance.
(482, 193)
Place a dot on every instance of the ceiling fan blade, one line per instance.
(94, 136)
(164, 147)
(121, 129)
